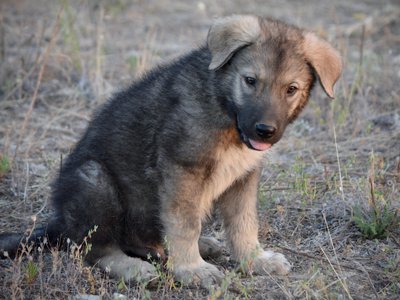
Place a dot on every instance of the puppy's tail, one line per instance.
(13, 243)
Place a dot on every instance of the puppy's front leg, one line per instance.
(239, 209)
(181, 213)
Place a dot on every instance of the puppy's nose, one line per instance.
(265, 131)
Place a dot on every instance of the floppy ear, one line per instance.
(325, 60)
(228, 35)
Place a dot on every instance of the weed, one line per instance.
(70, 35)
(232, 281)
(4, 165)
(116, 7)
(303, 184)
(375, 221)
(132, 63)
(121, 285)
(232, 278)
(165, 277)
(31, 271)
(78, 251)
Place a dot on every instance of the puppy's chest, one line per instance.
(230, 165)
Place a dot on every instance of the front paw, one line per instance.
(267, 262)
(204, 274)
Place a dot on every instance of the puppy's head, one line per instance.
(266, 70)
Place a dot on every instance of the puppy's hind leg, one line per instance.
(120, 265)
(87, 199)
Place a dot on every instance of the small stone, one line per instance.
(118, 296)
(85, 297)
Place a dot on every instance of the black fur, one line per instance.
(111, 178)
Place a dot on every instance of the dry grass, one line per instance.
(340, 162)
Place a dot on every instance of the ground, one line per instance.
(329, 198)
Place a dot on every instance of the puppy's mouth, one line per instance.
(259, 146)
(251, 143)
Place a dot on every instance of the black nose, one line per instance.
(265, 131)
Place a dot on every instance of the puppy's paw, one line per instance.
(141, 271)
(130, 268)
(270, 262)
(209, 247)
(204, 274)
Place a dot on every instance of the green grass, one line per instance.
(4, 165)
(70, 34)
(375, 219)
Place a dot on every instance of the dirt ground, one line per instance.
(330, 194)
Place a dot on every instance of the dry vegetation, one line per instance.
(330, 198)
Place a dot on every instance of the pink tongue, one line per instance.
(259, 146)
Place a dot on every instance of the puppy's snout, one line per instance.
(265, 131)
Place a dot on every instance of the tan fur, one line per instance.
(231, 163)
(325, 59)
(230, 33)
(299, 100)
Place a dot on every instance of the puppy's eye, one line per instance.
(250, 80)
(291, 90)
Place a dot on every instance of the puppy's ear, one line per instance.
(325, 60)
(228, 35)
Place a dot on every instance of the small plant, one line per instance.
(31, 272)
(232, 279)
(121, 285)
(222, 291)
(375, 221)
(132, 63)
(78, 251)
(165, 278)
(303, 184)
(71, 35)
(4, 165)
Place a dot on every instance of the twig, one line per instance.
(371, 179)
(278, 189)
(26, 183)
(330, 240)
(99, 46)
(18, 84)
(284, 290)
(369, 279)
(2, 37)
(338, 162)
(38, 82)
(395, 240)
(347, 266)
(327, 287)
(308, 255)
(337, 275)
(336, 257)
(362, 45)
